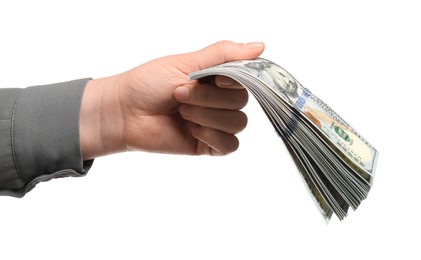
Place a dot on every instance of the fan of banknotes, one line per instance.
(337, 164)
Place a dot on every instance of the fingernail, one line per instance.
(255, 45)
(185, 110)
(181, 93)
(225, 81)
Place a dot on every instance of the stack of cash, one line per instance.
(336, 163)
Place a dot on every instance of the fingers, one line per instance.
(213, 142)
(226, 82)
(213, 115)
(228, 121)
(225, 51)
(212, 97)
(214, 128)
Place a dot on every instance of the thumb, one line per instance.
(224, 51)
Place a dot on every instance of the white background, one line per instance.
(362, 58)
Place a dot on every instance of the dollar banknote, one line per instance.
(337, 164)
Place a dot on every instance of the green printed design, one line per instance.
(339, 131)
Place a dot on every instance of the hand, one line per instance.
(156, 107)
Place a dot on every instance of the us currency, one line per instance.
(337, 164)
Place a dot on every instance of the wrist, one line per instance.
(101, 120)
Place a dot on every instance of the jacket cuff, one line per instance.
(9, 177)
(45, 134)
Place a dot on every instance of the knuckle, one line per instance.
(233, 146)
(244, 97)
(237, 123)
(241, 98)
(221, 49)
(221, 45)
(229, 145)
(218, 142)
(242, 122)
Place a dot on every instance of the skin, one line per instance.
(155, 107)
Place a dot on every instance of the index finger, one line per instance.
(211, 96)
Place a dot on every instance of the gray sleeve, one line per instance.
(39, 135)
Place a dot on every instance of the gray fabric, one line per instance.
(9, 177)
(39, 135)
